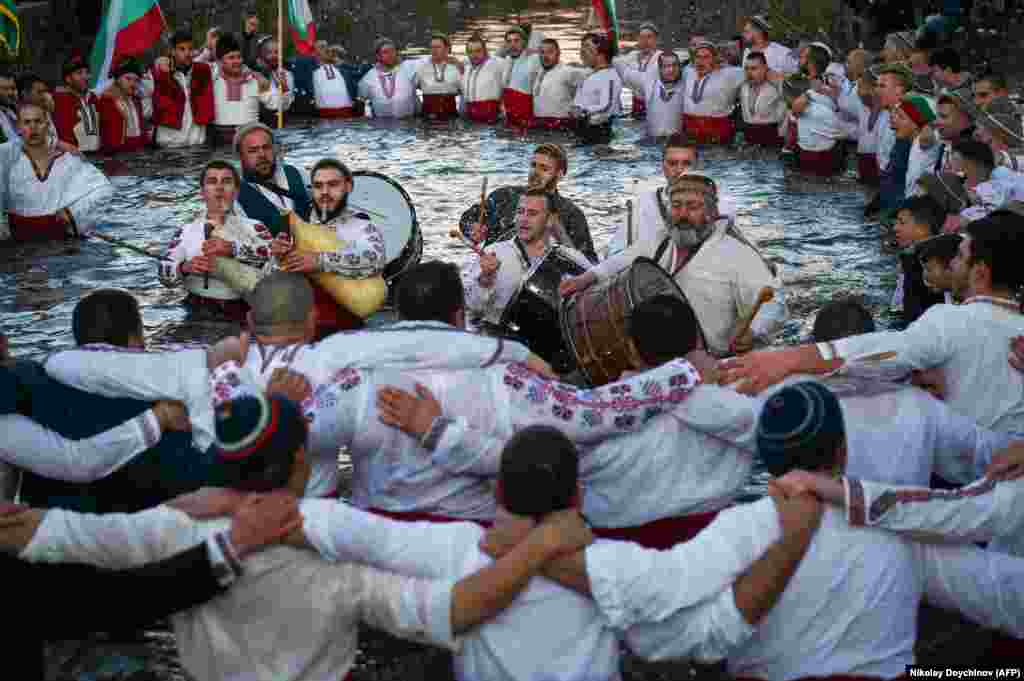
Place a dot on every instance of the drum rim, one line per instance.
(412, 252)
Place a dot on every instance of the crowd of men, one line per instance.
(208, 478)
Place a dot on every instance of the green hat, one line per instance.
(918, 108)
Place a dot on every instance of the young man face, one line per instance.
(545, 171)
(182, 53)
(231, 63)
(219, 190)
(669, 69)
(704, 60)
(476, 52)
(514, 43)
(890, 89)
(951, 122)
(961, 270)
(387, 55)
(902, 123)
(330, 189)
(908, 230)
(985, 92)
(756, 70)
(549, 54)
(33, 126)
(128, 83)
(937, 274)
(646, 40)
(677, 161)
(438, 51)
(78, 80)
(252, 24)
(8, 91)
(272, 54)
(532, 219)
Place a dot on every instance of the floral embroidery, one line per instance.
(652, 389)
(625, 421)
(513, 382)
(561, 412)
(621, 389)
(535, 393)
(347, 378)
(592, 418)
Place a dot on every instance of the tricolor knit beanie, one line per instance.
(257, 437)
(799, 427)
(918, 109)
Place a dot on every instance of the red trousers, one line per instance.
(867, 168)
(821, 163)
(546, 123)
(330, 316)
(440, 107)
(709, 129)
(763, 134)
(483, 112)
(337, 112)
(518, 108)
(41, 228)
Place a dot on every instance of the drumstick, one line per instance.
(763, 296)
(483, 202)
(629, 224)
(457, 234)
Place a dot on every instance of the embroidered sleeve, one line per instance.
(255, 253)
(360, 256)
(479, 299)
(170, 266)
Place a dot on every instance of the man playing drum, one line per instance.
(720, 272)
(494, 279)
(220, 233)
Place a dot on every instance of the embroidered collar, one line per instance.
(1007, 303)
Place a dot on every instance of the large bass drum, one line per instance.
(532, 313)
(595, 322)
(391, 209)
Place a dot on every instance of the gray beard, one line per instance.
(686, 235)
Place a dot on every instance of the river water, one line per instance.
(813, 230)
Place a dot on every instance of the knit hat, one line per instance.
(947, 190)
(75, 62)
(226, 44)
(257, 437)
(126, 66)
(693, 182)
(648, 26)
(918, 109)
(1002, 116)
(798, 426)
(758, 21)
(902, 71)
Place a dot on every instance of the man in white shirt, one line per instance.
(269, 64)
(483, 80)
(598, 100)
(389, 87)
(968, 341)
(817, 119)
(522, 65)
(439, 78)
(779, 58)
(183, 99)
(640, 66)
(555, 89)
(721, 273)
(711, 93)
(330, 90)
(761, 103)
(238, 92)
(662, 91)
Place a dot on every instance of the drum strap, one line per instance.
(659, 199)
(665, 244)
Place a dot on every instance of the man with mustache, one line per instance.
(74, 107)
(712, 91)
(482, 83)
(720, 272)
(598, 100)
(554, 89)
(270, 187)
(238, 92)
(390, 87)
(439, 78)
(521, 71)
(640, 66)
(182, 97)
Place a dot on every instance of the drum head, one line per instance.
(647, 279)
(388, 206)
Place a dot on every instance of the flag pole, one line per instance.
(280, 61)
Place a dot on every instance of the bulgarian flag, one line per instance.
(10, 27)
(608, 20)
(129, 28)
(300, 21)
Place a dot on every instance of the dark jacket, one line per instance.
(916, 296)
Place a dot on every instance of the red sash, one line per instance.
(709, 129)
(639, 107)
(518, 108)
(440, 106)
(338, 112)
(483, 112)
(41, 228)
(235, 310)
(420, 516)
(821, 163)
(867, 168)
(660, 534)
(791, 135)
(763, 134)
(550, 123)
(330, 316)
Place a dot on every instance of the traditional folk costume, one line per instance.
(286, 90)
(34, 199)
(440, 85)
(553, 93)
(489, 303)
(482, 85)
(709, 103)
(390, 92)
(227, 637)
(250, 241)
(819, 131)
(871, 120)
(330, 93)
(635, 68)
(763, 108)
(123, 122)
(183, 105)
(8, 125)
(573, 645)
(264, 201)
(651, 218)
(76, 119)
(663, 102)
(520, 74)
(599, 98)
(721, 280)
(236, 102)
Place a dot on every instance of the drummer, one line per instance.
(549, 165)
(219, 233)
(493, 280)
(720, 272)
(269, 186)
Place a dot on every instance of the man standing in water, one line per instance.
(599, 98)
(389, 86)
(74, 107)
(522, 68)
(640, 66)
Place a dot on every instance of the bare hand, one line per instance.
(502, 537)
(744, 343)
(1007, 464)
(489, 266)
(564, 532)
(289, 384)
(212, 247)
(301, 262)
(208, 502)
(757, 370)
(540, 366)
(199, 264)
(577, 284)
(798, 482)
(1016, 353)
(798, 514)
(282, 245)
(952, 224)
(478, 232)
(172, 416)
(412, 414)
(264, 519)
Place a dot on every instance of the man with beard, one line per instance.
(779, 58)
(637, 66)
(661, 95)
(761, 103)
(51, 194)
(818, 127)
(721, 273)
(953, 125)
(220, 233)
(270, 66)
(182, 97)
(74, 107)
(554, 89)
(389, 87)
(8, 104)
(493, 279)
(439, 78)
(331, 93)
(521, 70)
(269, 187)
(652, 209)
(238, 92)
(548, 166)
(482, 83)
(599, 98)
(711, 95)
(123, 112)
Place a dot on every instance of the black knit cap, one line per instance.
(226, 44)
(799, 426)
(257, 437)
(538, 472)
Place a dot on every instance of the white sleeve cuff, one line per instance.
(150, 426)
(316, 525)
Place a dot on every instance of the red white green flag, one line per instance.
(300, 21)
(604, 10)
(129, 28)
